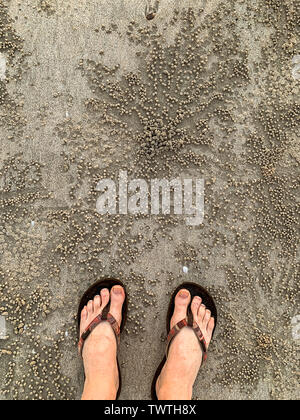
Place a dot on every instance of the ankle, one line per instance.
(102, 373)
(176, 381)
(104, 389)
(174, 391)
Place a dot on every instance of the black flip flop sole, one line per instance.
(207, 300)
(94, 290)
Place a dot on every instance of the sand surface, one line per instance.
(89, 88)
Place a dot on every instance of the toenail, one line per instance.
(184, 294)
(117, 290)
(197, 299)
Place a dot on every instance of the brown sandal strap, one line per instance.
(115, 327)
(201, 339)
(185, 323)
(100, 318)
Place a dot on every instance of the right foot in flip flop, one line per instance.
(100, 348)
(184, 359)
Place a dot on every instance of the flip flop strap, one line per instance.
(195, 327)
(100, 318)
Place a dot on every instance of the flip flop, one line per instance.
(95, 289)
(207, 300)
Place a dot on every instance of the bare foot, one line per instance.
(100, 349)
(185, 353)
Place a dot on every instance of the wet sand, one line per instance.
(208, 92)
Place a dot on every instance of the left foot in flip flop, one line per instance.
(100, 348)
